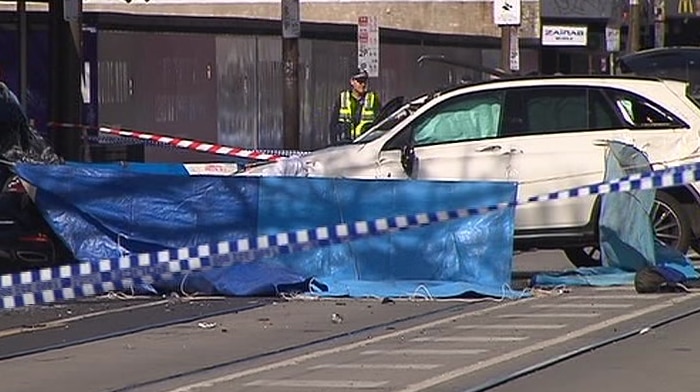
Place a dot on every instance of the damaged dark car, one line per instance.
(26, 240)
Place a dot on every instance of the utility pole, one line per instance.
(507, 16)
(505, 47)
(65, 32)
(659, 25)
(634, 27)
(291, 31)
(23, 31)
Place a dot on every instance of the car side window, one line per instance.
(545, 110)
(638, 112)
(469, 117)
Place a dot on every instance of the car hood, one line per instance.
(327, 162)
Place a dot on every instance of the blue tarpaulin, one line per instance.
(627, 240)
(105, 211)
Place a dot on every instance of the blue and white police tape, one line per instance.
(663, 178)
(87, 279)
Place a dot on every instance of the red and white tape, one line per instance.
(187, 144)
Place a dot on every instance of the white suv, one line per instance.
(546, 133)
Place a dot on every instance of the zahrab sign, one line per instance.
(564, 35)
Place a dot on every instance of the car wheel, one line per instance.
(671, 226)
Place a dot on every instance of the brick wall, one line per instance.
(451, 17)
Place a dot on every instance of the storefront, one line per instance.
(578, 37)
(682, 22)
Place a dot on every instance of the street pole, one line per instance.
(507, 16)
(65, 32)
(659, 24)
(634, 27)
(506, 38)
(23, 31)
(291, 31)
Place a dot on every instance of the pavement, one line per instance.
(174, 344)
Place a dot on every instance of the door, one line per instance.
(455, 140)
(558, 133)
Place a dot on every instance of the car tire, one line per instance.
(587, 256)
(671, 225)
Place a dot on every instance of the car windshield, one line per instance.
(674, 63)
(386, 125)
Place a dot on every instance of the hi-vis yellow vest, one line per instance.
(348, 108)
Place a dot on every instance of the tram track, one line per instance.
(328, 343)
(395, 324)
(50, 335)
(59, 333)
(502, 380)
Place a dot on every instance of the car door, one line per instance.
(457, 139)
(558, 135)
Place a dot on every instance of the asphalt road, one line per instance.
(664, 359)
(249, 344)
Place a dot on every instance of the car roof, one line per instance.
(654, 52)
(627, 81)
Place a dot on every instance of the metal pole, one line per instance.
(65, 30)
(659, 24)
(505, 48)
(634, 27)
(23, 31)
(291, 31)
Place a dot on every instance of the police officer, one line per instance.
(355, 110)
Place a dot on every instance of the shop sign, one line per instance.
(506, 12)
(681, 8)
(564, 35)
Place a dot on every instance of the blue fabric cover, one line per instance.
(627, 239)
(106, 210)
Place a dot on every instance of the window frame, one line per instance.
(680, 124)
(406, 135)
(589, 92)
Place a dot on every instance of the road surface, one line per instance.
(246, 344)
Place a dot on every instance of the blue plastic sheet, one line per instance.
(106, 210)
(627, 239)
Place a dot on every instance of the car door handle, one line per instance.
(489, 148)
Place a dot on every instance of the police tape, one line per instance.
(85, 279)
(186, 144)
(103, 139)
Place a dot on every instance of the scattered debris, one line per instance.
(644, 330)
(205, 325)
(336, 318)
(387, 300)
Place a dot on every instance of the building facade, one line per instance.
(211, 70)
